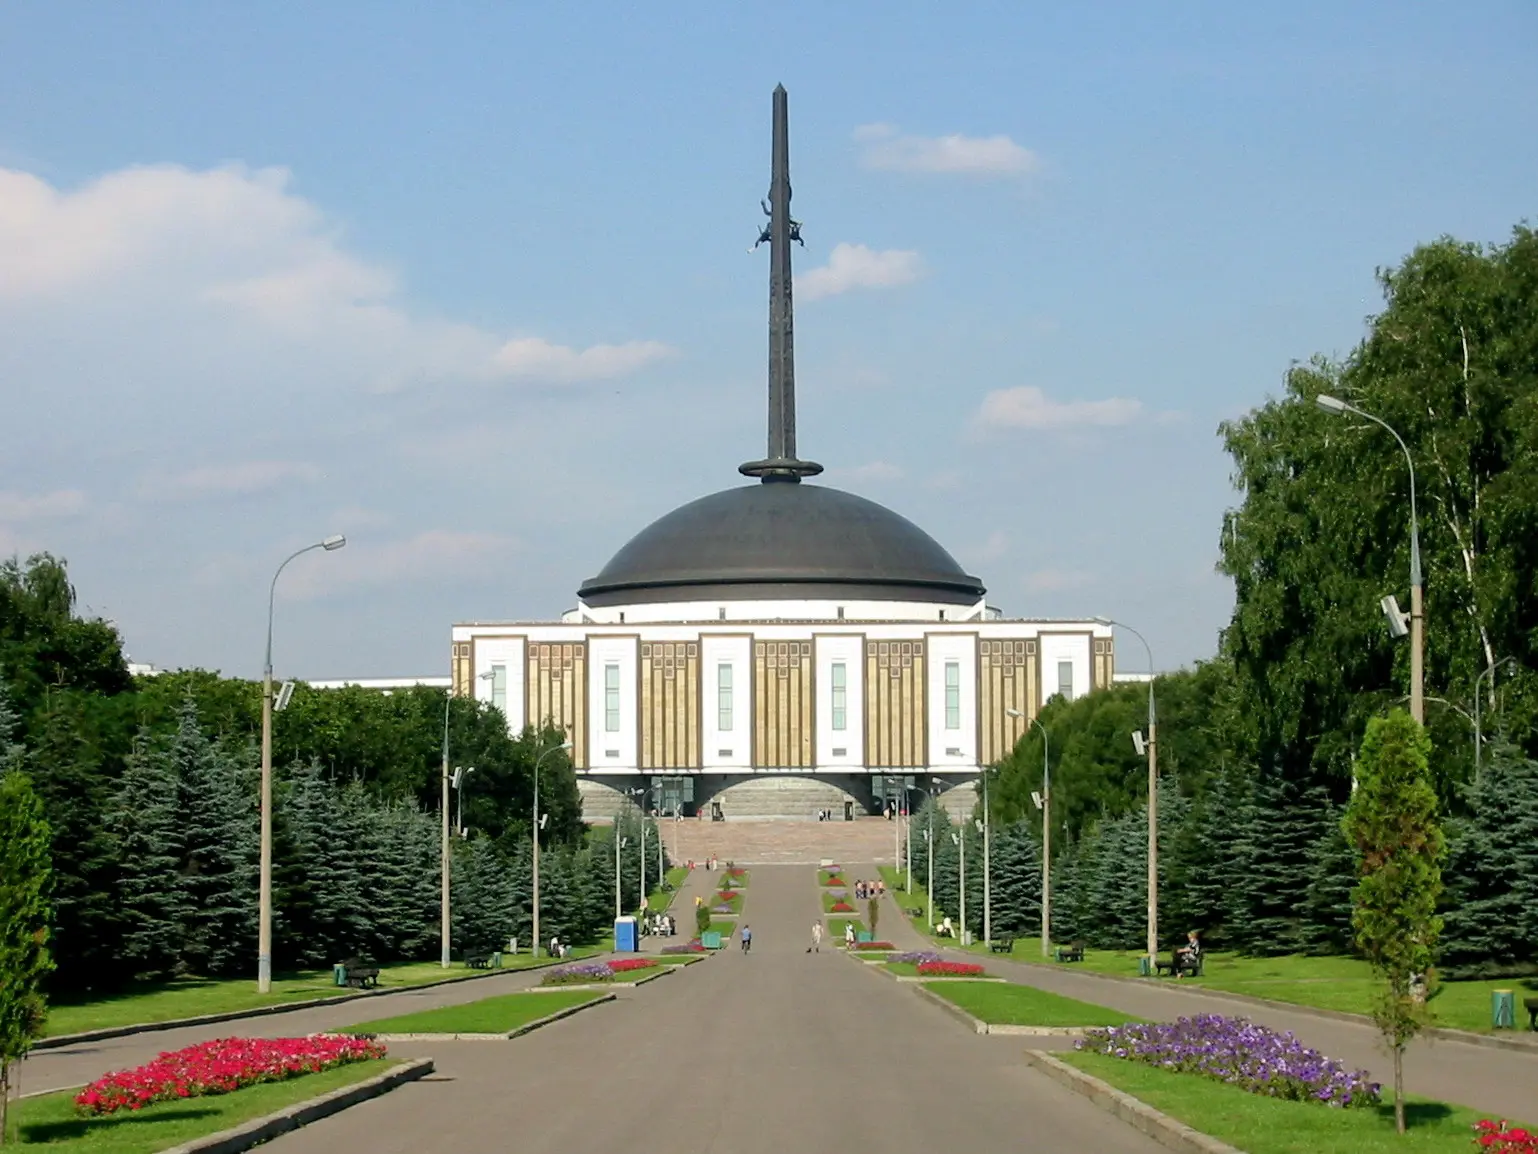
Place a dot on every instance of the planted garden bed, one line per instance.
(583, 973)
(832, 876)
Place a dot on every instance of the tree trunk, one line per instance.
(1399, 1088)
(5, 1100)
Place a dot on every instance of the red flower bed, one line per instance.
(1503, 1139)
(625, 965)
(835, 880)
(737, 872)
(842, 908)
(728, 895)
(221, 1066)
(875, 946)
(949, 969)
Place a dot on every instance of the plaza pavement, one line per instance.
(770, 1051)
(1503, 1083)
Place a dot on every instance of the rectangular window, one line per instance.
(499, 687)
(952, 695)
(1065, 679)
(724, 698)
(611, 698)
(840, 696)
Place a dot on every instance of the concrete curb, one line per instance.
(1139, 1115)
(517, 1032)
(979, 1026)
(1520, 1042)
(59, 1041)
(260, 1130)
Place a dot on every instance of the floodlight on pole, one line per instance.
(1152, 745)
(264, 876)
(1340, 408)
(538, 824)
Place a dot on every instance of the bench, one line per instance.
(480, 960)
(1178, 965)
(1531, 1006)
(1002, 945)
(1073, 953)
(361, 974)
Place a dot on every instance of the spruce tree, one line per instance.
(147, 823)
(1326, 926)
(24, 918)
(1275, 832)
(1206, 852)
(1016, 881)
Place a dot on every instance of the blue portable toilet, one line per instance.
(625, 937)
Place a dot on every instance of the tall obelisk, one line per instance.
(781, 463)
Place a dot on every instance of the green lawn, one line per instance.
(1330, 983)
(1006, 1004)
(734, 904)
(660, 899)
(738, 883)
(896, 881)
(724, 928)
(1270, 1126)
(830, 877)
(49, 1121)
(828, 901)
(488, 1016)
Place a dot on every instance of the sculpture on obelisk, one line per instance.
(781, 463)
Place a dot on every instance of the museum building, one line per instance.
(779, 648)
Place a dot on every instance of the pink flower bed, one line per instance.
(728, 895)
(1504, 1139)
(841, 907)
(626, 965)
(949, 969)
(874, 946)
(220, 1066)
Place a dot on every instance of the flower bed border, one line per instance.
(257, 1131)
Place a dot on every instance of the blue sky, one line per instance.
(471, 285)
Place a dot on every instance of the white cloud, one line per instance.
(434, 554)
(852, 266)
(234, 244)
(16, 506)
(1027, 407)
(240, 478)
(886, 148)
(1057, 580)
(531, 357)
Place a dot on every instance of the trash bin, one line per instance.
(711, 940)
(512, 946)
(496, 960)
(966, 937)
(1503, 1010)
(1144, 966)
(339, 974)
(625, 935)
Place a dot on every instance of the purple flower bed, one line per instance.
(578, 972)
(721, 910)
(1237, 1051)
(915, 957)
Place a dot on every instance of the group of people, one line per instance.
(659, 925)
(864, 889)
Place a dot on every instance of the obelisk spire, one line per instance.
(781, 463)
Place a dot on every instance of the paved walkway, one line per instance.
(764, 1052)
(1501, 1082)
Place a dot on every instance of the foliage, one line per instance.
(1016, 880)
(1240, 1053)
(1392, 822)
(147, 823)
(24, 957)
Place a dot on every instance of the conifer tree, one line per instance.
(1326, 927)
(1016, 880)
(147, 824)
(1206, 856)
(24, 918)
(1273, 837)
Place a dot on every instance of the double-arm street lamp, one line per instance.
(264, 884)
(538, 825)
(1417, 625)
(1046, 832)
(1153, 796)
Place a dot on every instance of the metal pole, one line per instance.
(443, 848)
(929, 839)
(264, 877)
(619, 899)
(1153, 797)
(535, 895)
(908, 842)
(1046, 843)
(961, 897)
(987, 868)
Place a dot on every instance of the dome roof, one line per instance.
(781, 541)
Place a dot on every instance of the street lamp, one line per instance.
(444, 864)
(1046, 833)
(619, 899)
(1417, 624)
(640, 791)
(1490, 673)
(987, 866)
(264, 884)
(539, 823)
(1153, 796)
(959, 839)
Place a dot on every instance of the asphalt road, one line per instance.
(770, 1051)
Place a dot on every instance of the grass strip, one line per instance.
(1263, 1125)
(836, 928)
(488, 1016)
(193, 997)
(661, 898)
(50, 1120)
(1006, 1004)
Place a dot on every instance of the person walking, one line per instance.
(848, 935)
(747, 938)
(816, 946)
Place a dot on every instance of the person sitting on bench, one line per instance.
(1188, 959)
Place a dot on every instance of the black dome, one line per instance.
(781, 541)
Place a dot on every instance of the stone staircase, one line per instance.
(780, 842)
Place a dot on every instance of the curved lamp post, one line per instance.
(1046, 832)
(1153, 796)
(1478, 733)
(1417, 624)
(264, 885)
